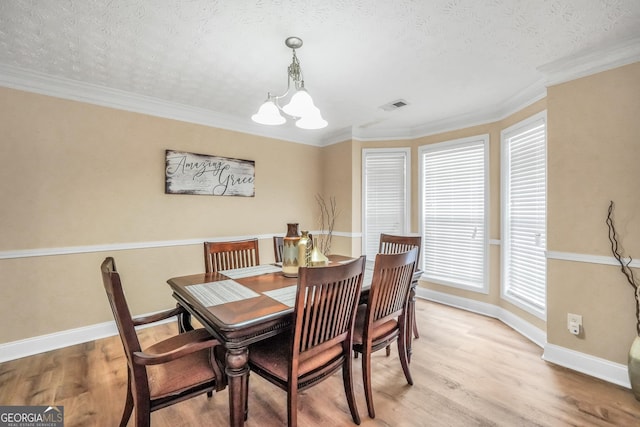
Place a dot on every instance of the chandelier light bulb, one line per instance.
(268, 114)
(312, 121)
(301, 104)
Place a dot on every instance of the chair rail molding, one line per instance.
(69, 250)
(590, 259)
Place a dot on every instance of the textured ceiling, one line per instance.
(449, 59)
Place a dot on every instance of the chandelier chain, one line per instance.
(295, 71)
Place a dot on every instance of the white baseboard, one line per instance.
(521, 326)
(43, 343)
(594, 366)
(30, 346)
(606, 370)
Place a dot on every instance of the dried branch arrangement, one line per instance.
(328, 214)
(624, 264)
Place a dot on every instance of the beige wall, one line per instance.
(337, 181)
(85, 175)
(594, 157)
(76, 174)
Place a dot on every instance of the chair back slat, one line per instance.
(390, 286)
(393, 244)
(326, 302)
(230, 255)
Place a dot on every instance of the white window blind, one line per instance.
(524, 214)
(386, 193)
(454, 212)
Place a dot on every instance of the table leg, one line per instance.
(237, 373)
(411, 314)
(184, 321)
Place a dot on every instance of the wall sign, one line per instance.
(190, 173)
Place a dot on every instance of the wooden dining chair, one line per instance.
(393, 244)
(321, 337)
(278, 246)
(383, 319)
(229, 255)
(169, 371)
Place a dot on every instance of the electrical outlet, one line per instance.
(574, 323)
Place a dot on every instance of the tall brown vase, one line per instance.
(634, 367)
(290, 251)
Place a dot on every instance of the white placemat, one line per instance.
(286, 296)
(257, 270)
(223, 291)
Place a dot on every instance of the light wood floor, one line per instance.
(468, 370)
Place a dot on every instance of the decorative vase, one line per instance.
(634, 367)
(304, 250)
(290, 251)
(317, 257)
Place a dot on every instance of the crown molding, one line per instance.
(562, 70)
(590, 62)
(60, 87)
(499, 111)
(341, 135)
(565, 69)
(511, 105)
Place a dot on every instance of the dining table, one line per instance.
(243, 306)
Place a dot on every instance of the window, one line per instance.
(455, 194)
(385, 195)
(524, 214)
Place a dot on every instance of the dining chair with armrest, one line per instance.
(230, 255)
(393, 244)
(167, 372)
(320, 341)
(384, 318)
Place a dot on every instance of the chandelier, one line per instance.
(300, 107)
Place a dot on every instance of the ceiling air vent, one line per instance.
(394, 105)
